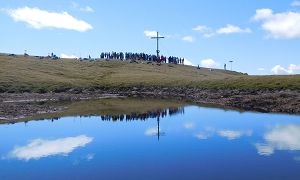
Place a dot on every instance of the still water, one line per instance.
(188, 142)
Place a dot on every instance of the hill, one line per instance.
(31, 74)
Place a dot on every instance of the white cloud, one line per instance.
(40, 148)
(263, 14)
(202, 29)
(87, 9)
(189, 125)
(151, 131)
(188, 62)
(209, 63)
(40, 19)
(189, 39)
(150, 34)
(292, 69)
(295, 3)
(65, 56)
(261, 69)
(230, 29)
(284, 25)
(285, 137)
(83, 9)
(206, 31)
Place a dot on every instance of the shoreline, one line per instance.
(16, 106)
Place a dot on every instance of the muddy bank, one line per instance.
(20, 106)
(15, 106)
(249, 100)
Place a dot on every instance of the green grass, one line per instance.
(28, 74)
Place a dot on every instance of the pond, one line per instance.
(179, 141)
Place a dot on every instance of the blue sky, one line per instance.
(260, 36)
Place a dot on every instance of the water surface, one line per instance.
(187, 142)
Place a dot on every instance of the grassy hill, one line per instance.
(29, 74)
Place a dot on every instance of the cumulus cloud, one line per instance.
(40, 19)
(209, 63)
(295, 3)
(65, 56)
(208, 32)
(294, 67)
(188, 62)
(40, 148)
(202, 29)
(230, 29)
(285, 25)
(150, 34)
(286, 137)
(189, 39)
(279, 70)
(263, 14)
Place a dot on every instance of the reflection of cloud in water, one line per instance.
(285, 137)
(228, 134)
(297, 159)
(40, 148)
(202, 135)
(189, 125)
(231, 135)
(264, 149)
(90, 157)
(151, 131)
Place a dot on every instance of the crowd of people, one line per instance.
(141, 56)
(128, 56)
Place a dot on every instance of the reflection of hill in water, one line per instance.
(126, 109)
(161, 113)
(144, 116)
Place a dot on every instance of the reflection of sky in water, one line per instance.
(202, 143)
(281, 137)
